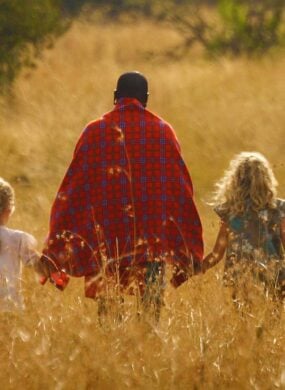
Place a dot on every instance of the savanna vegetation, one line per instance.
(220, 26)
(218, 107)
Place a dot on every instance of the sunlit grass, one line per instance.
(217, 109)
(202, 342)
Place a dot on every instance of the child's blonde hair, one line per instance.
(7, 197)
(248, 182)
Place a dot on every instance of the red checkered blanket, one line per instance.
(126, 199)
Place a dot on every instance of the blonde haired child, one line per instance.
(252, 230)
(17, 248)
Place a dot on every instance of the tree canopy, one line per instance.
(244, 26)
(25, 27)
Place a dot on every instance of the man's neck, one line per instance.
(129, 100)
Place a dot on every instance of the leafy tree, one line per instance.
(25, 27)
(248, 26)
(111, 8)
(243, 26)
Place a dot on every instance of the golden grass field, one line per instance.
(218, 108)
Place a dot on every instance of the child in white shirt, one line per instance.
(17, 248)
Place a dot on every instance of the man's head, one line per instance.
(132, 85)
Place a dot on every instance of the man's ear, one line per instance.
(146, 99)
(115, 96)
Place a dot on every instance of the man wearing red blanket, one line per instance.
(125, 206)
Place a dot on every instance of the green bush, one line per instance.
(25, 27)
(244, 26)
(240, 27)
(248, 26)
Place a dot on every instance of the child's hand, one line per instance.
(218, 252)
(179, 276)
(47, 271)
(42, 269)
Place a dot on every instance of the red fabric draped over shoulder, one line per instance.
(126, 198)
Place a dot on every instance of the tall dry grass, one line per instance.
(218, 109)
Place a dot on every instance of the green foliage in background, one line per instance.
(248, 26)
(115, 8)
(242, 26)
(239, 27)
(25, 27)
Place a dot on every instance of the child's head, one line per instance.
(249, 181)
(7, 200)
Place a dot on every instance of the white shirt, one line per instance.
(17, 248)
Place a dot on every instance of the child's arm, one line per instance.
(41, 269)
(29, 254)
(218, 252)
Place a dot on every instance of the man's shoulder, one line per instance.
(93, 128)
(114, 115)
(158, 119)
(102, 121)
(96, 123)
